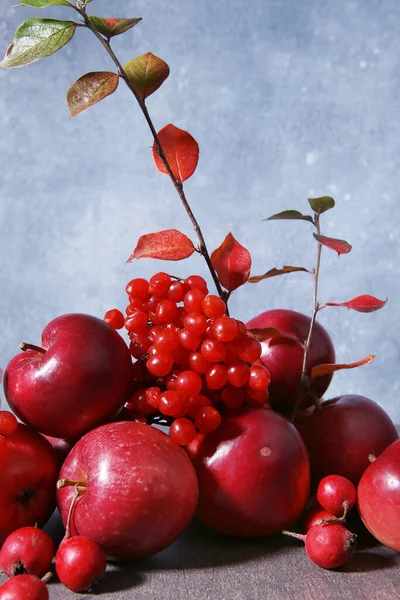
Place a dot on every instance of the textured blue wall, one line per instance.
(287, 100)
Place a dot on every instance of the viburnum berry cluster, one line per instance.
(192, 359)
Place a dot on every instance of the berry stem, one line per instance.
(24, 346)
(305, 380)
(298, 536)
(177, 184)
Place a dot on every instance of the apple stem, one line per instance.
(66, 482)
(177, 184)
(298, 536)
(74, 499)
(24, 346)
(305, 379)
(371, 458)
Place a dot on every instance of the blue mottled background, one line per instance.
(287, 100)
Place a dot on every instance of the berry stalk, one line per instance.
(81, 8)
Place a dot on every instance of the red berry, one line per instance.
(170, 403)
(192, 300)
(213, 350)
(181, 356)
(231, 354)
(217, 377)
(330, 545)
(194, 403)
(137, 322)
(196, 282)
(140, 405)
(249, 349)
(8, 423)
(138, 288)
(336, 494)
(166, 341)
(314, 517)
(134, 303)
(182, 431)
(114, 318)
(188, 340)
(207, 419)
(241, 330)
(259, 378)
(180, 315)
(153, 396)
(166, 310)
(177, 291)
(213, 306)
(160, 364)
(256, 397)
(224, 329)
(195, 323)
(188, 383)
(159, 284)
(198, 363)
(139, 345)
(24, 587)
(232, 397)
(238, 373)
(79, 562)
(27, 550)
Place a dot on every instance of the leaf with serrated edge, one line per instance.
(110, 27)
(290, 214)
(146, 73)
(90, 89)
(274, 272)
(321, 370)
(340, 246)
(44, 3)
(169, 244)
(363, 303)
(181, 151)
(36, 39)
(268, 333)
(322, 204)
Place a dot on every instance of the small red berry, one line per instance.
(137, 288)
(182, 431)
(79, 563)
(336, 494)
(114, 318)
(8, 423)
(196, 282)
(159, 284)
(160, 364)
(224, 329)
(24, 587)
(213, 306)
(331, 545)
(27, 550)
(188, 383)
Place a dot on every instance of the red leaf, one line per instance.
(267, 333)
(232, 263)
(274, 272)
(181, 151)
(364, 303)
(169, 244)
(321, 370)
(340, 246)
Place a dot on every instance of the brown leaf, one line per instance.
(274, 272)
(363, 303)
(267, 333)
(181, 151)
(90, 89)
(232, 262)
(110, 27)
(169, 244)
(340, 246)
(321, 370)
(147, 73)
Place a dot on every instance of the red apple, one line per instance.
(80, 379)
(284, 357)
(379, 497)
(28, 475)
(138, 490)
(341, 436)
(253, 471)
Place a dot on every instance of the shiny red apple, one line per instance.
(253, 472)
(138, 490)
(80, 378)
(343, 433)
(379, 497)
(28, 475)
(283, 357)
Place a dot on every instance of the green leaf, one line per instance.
(90, 89)
(37, 38)
(274, 272)
(290, 214)
(146, 73)
(322, 204)
(44, 3)
(111, 27)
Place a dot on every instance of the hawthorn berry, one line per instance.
(79, 563)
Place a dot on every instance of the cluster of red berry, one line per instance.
(192, 359)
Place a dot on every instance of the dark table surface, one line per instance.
(202, 565)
